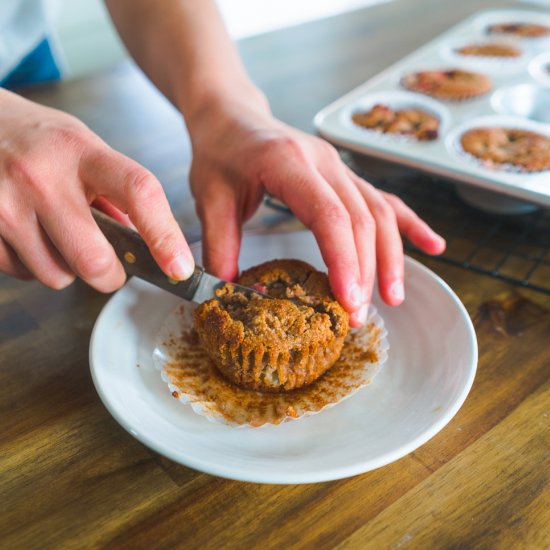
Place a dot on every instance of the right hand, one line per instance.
(240, 152)
(52, 167)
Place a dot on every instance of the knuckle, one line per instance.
(70, 135)
(382, 210)
(288, 146)
(93, 262)
(18, 169)
(366, 222)
(394, 199)
(165, 242)
(8, 218)
(143, 187)
(27, 175)
(333, 214)
(328, 150)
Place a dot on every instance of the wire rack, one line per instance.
(514, 248)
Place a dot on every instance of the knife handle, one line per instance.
(137, 260)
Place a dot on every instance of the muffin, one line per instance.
(415, 123)
(523, 149)
(524, 30)
(451, 85)
(278, 344)
(489, 50)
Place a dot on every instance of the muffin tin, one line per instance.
(520, 98)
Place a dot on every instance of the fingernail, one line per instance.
(397, 291)
(181, 267)
(355, 294)
(361, 314)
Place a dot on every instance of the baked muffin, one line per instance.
(277, 344)
(451, 85)
(489, 50)
(524, 30)
(415, 123)
(524, 149)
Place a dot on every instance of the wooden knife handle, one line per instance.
(133, 253)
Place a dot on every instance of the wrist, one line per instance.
(221, 101)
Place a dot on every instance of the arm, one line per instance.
(240, 151)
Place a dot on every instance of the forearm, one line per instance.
(183, 46)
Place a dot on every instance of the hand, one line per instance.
(240, 152)
(52, 167)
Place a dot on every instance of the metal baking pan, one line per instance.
(520, 98)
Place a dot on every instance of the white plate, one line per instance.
(430, 369)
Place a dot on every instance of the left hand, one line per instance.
(240, 152)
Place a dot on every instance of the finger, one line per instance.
(10, 264)
(36, 252)
(134, 190)
(221, 233)
(364, 233)
(107, 207)
(389, 247)
(83, 246)
(317, 205)
(417, 231)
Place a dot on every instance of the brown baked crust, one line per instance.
(489, 50)
(415, 123)
(274, 344)
(525, 30)
(451, 85)
(524, 149)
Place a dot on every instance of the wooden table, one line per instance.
(73, 478)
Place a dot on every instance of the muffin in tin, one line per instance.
(412, 122)
(501, 147)
(277, 344)
(489, 50)
(450, 85)
(523, 30)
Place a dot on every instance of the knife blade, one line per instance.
(133, 253)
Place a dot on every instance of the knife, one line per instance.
(133, 253)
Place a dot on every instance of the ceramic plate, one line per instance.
(430, 369)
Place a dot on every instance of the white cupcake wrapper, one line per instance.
(236, 407)
(454, 144)
(396, 99)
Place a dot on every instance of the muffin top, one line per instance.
(525, 30)
(412, 122)
(303, 308)
(278, 343)
(490, 50)
(450, 84)
(526, 150)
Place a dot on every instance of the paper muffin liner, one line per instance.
(193, 379)
(397, 100)
(452, 98)
(454, 145)
(485, 20)
(484, 63)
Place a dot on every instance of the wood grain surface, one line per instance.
(71, 477)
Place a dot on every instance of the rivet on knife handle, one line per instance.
(136, 259)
